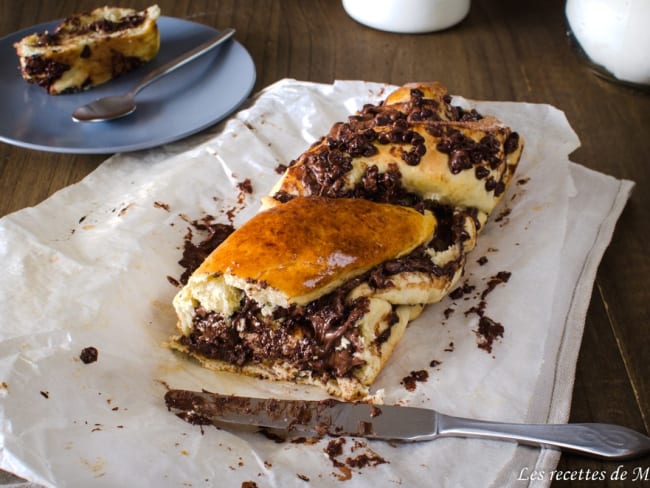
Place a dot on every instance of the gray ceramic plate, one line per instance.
(186, 101)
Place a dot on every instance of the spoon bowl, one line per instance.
(107, 108)
(117, 106)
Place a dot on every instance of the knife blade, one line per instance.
(325, 417)
(397, 423)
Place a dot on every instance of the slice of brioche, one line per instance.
(297, 252)
(89, 49)
(276, 299)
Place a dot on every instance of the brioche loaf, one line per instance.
(363, 230)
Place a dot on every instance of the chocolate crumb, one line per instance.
(346, 472)
(45, 394)
(435, 363)
(500, 277)
(409, 381)
(302, 477)
(482, 260)
(365, 459)
(503, 215)
(245, 186)
(448, 312)
(335, 447)
(450, 347)
(459, 292)
(88, 355)
(164, 206)
(523, 181)
(173, 281)
(248, 484)
(375, 411)
(477, 309)
(123, 211)
(488, 331)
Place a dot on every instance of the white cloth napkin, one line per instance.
(89, 267)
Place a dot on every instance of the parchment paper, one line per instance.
(89, 267)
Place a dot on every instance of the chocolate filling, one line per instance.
(309, 337)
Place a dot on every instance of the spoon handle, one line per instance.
(604, 441)
(183, 59)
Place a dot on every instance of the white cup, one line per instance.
(614, 36)
(407, 16)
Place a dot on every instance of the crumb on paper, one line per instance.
(162, 205)
(461, 291)
(410, 381)
(89, 355)
(359, 456)
(123, 211)
(503, 214)
(523, 181)
(245, 186)
(488, 331)
(494, 281)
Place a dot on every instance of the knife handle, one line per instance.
(605, 441)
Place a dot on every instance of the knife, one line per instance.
(396, 423)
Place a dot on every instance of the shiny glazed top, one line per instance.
(314, 242)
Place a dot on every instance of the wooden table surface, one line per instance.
(503, 50)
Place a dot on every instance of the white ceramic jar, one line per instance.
(407, 16)
(614, 35)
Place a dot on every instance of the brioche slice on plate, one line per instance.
(89, 49)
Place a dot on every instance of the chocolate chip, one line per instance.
(481, 172)
(512, 142)
(490, 184)
(458, 161)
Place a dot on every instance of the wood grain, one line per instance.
(503, 50)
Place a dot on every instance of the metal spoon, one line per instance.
(113, 107)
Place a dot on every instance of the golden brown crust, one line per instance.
(316, 243)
